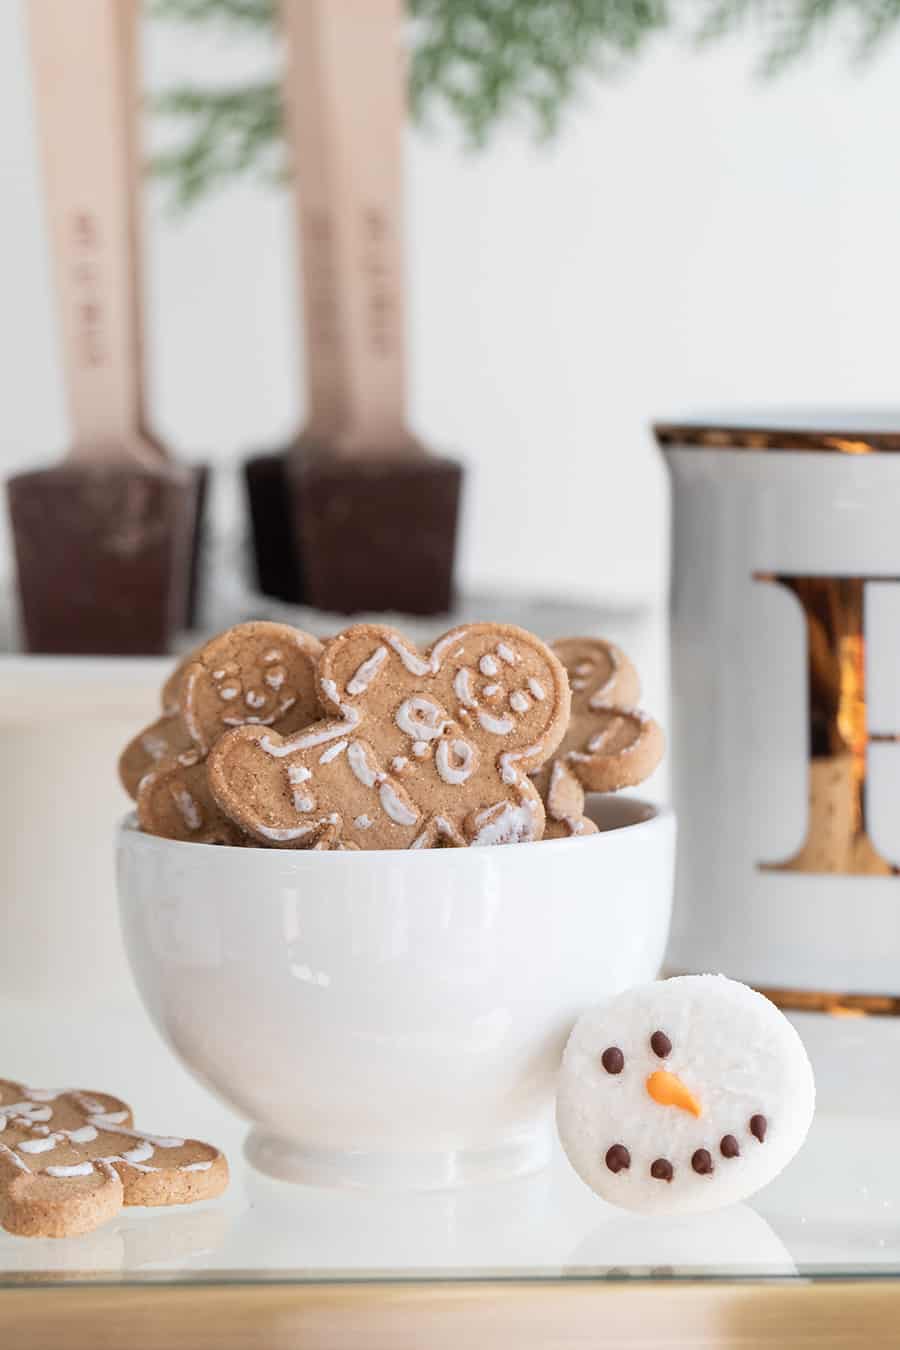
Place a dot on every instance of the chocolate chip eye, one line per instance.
(612, 1059)
(618, 1159)
(660, 1044)
(729, 1146)
(758, 1127)
(702, 1162)
(662, 1170)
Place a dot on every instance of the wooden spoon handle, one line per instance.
(84, 56)
(345, 97)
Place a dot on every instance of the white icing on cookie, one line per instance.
(420, 718)
(305, 739)
(333, 751)
(411, 659)
(399, 811)
(188, 808)
(455, 760)
(600, 696)
(498, 726)
(488, 665)
(83, 1169)
(506, 823)
(156, 746)
(284, 836)
(367, 671)
(462, 687)
(39, 1145)
(414, 662)
(330, 690)
(14, 1158)
(519, 701)
(506, 653)
(537, 689)
(359, 763)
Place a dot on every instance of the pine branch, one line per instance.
(489, 61)
(230, 132)
(253, 13)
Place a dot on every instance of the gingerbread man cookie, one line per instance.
(609, 744)
(421, 750)
(70, 1160)
(683, 1095)
(255, 673)
(165, 737)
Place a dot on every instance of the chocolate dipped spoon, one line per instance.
(104, 540)
(372, 514)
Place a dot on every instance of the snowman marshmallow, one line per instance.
(683, 1095)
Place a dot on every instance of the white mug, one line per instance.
(786, 703)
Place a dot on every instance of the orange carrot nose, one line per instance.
(668, 1089)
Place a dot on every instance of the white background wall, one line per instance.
(695, 238)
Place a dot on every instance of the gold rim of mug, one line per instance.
(835, 1005)
(824, 1000)
(700, 436)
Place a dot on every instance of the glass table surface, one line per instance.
(835, 1211)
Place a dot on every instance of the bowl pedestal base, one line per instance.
(522, 1153)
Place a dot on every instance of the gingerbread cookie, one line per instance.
(683, 1095)
(174, 802)
(422, 750)
(255, 673)
(70, 1160)
(165, 737)
(609, 744)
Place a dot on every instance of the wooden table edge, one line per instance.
(831, 1315)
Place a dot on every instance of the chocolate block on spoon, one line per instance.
(103, 542)
(101, 556)
(370, 514)
(380, 534)
(276, 550)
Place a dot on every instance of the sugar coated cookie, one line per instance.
(683, 1095)
(419, 750)
(70, 1160)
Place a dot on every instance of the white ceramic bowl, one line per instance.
(393, 1018)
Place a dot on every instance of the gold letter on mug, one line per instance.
(837, 839)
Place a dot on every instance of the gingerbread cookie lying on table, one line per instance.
(609, 744)
(421, 750)
(255, 673)
(69, 1161)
